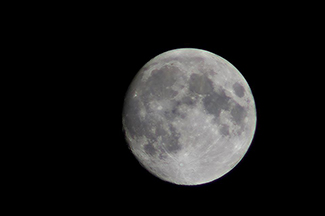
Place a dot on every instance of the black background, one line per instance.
(85, 63)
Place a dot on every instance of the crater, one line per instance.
(200, 84)
(239, 89)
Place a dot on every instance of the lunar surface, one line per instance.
(189, 116)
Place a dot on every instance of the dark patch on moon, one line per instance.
(159, 83)
(174, 111)
(200, 84)
(171, 114)
(215, 102)
(171, 144)
(212, 72)
(169, 140)
(137, 127)
(224, 130)
(239, 89)
(238, 113)
(189, 100)
(160, 130)
(150, 149)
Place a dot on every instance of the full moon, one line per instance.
(189, 116)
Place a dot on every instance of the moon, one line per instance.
(189, 116)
